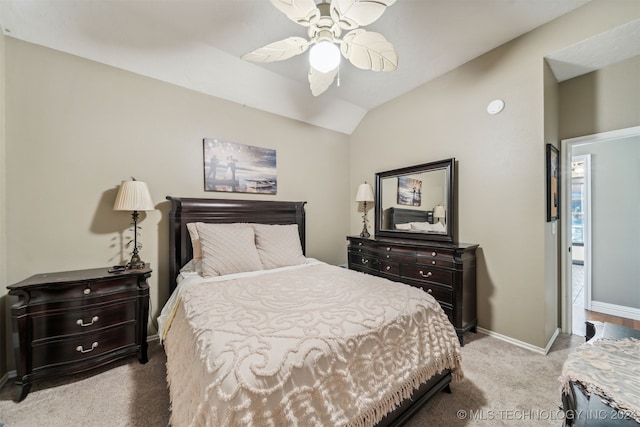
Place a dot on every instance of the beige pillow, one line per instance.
(227, 249)
(195, 241)
(278, 245)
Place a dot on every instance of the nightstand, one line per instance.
(73, 321)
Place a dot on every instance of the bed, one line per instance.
(297, 342)
(411, 220)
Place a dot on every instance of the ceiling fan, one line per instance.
(366, 50)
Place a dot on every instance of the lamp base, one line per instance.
(365, 233)
(135, 264)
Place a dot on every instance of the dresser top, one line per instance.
(416, 243)
(77, 276)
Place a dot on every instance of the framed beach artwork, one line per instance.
(239, 168)
(409, 191)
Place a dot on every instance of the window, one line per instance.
(577, 202)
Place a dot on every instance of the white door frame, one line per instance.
(565, 212)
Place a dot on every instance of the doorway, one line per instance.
(580, 247)
(608, 194)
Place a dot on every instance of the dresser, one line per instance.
(72, 321)
(447, 271)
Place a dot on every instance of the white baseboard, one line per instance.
(616, 310)
(522, 344)
(4, 379)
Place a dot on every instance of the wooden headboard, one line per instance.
(393, 216)
(223, 211)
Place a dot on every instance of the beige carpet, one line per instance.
(503, 385)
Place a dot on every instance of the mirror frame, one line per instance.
(450, 167)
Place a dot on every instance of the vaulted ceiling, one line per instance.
(197, 44)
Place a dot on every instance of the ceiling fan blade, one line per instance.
(369, 51)
(303, 12)
(319, 81)
(278, 51)
(351, 14)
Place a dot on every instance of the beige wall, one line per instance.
(501, 181)
(76, 129)
(4, 327)
(601, 101)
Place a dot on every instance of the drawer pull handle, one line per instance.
(87, 291)
(365, 261)
(388, 248)
(359, 243)
(434, 253)
(82, 350)
(429, 274)
(388, 267)
(429, 291)
(433, 262)
(80, 322)
(388, 256)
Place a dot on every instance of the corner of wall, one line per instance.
(4, 327)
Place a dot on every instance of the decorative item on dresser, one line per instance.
(72, 321)
(447, 271)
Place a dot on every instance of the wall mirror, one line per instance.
(417, 202)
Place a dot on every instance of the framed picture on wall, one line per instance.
(553, 183)
(239, 168)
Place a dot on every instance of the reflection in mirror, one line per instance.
(416, 202)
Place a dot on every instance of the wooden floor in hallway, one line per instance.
(580, 315)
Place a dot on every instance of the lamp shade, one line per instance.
(365, 194)
(438, 212)
(133, 196)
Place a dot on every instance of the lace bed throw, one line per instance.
(609, 368)
(314, 346)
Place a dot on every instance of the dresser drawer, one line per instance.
(83, 346)
(360, 248)
(81, 321)
(390, 268)
(440, 293)
(425, 273)
(435, 256)
(363, 262)
(395, 253)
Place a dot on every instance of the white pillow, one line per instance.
(439, 227)
(405, 226)
(278, 245)
(421, 226)
(227, 249)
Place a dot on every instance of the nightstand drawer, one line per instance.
(88, 319)
(83, 291)
(427, 273)
(83, 346)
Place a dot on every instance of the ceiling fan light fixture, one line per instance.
(324, 56)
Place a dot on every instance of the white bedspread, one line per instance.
(315, 345)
